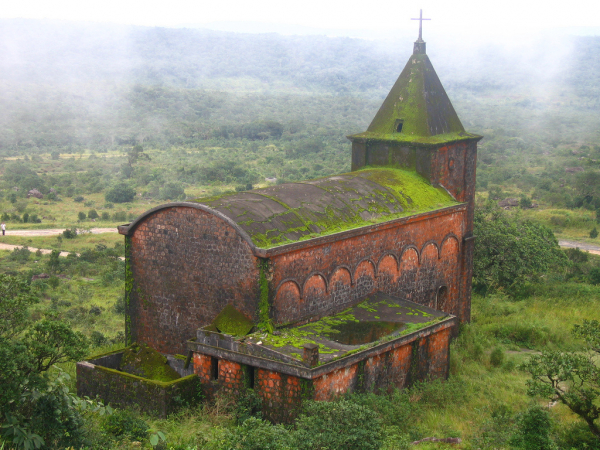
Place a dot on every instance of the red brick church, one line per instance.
(353, 282)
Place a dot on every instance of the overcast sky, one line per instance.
(504, 18)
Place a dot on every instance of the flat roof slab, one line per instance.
(375, 318)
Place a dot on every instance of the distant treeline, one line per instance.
(68, 86)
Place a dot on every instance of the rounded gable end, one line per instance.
(186, 264)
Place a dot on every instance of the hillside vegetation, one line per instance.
(109, 121)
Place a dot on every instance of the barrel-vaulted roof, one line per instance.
(293, 212)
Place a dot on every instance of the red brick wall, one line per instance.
(281, 394)
(187, 264)
(410, 261)
(454, 167)
(420, 360)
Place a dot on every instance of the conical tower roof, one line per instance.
(417, 108)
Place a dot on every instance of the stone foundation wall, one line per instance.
(423, 356)
(124, 390)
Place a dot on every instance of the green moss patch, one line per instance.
(376, 319)
(145, 362)
(295, 212)
(231, 321)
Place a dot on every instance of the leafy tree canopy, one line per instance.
(510, 251)
(35, 408)
(573, 378)
(120, 193)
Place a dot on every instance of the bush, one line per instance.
(497, 357)
(98, 339)
(120, 193)
(533, 430)
(171, 191)
(510, 251)
(20, 254)
(70, 233)
(78, 199)
(120, 216)
(92, 214)
(125, 424)
(120, 306)
(81, 216)
(525, 202)
(338, 425)
(594, 233)
(105, 216)
(594, 276)
(257, 434)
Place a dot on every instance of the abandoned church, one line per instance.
(307, 290)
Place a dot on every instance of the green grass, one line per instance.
(573, 224)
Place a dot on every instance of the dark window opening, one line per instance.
(399, 124)
(214, 368)
(251, 374)
(442, 296)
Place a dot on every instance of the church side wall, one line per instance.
(186, 265)
(412, 261)
(455, 169)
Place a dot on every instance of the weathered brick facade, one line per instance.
(420, 356)
(185, 265)
(291, 254)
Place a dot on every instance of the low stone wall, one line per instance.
(98, 378)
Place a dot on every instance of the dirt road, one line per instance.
(590, 248)
(45, 232)
(54, 231)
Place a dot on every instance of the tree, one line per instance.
(35, 408)
(120, 193)
(135, 154)
(573, 378)
(171, 191)
(510, 251)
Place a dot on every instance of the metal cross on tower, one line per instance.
(420, 19)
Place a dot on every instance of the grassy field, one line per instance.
(83, 241)
(480, 403)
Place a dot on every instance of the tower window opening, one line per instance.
(214, 368)
(399, 124)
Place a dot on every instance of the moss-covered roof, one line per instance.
(357, 328)
(293, 212)
(418, 101)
